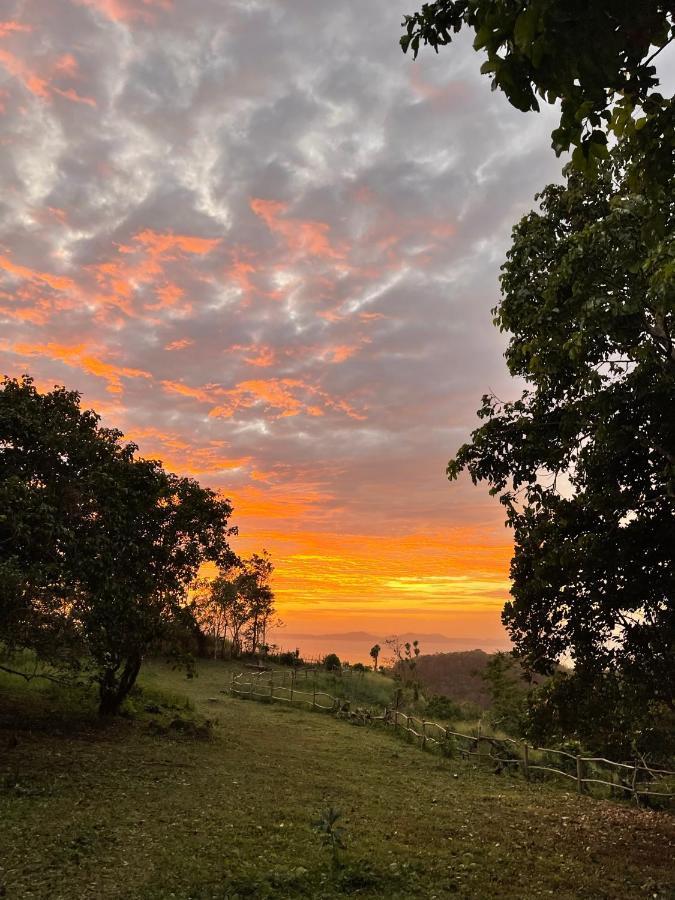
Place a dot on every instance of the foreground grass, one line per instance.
(145, 808)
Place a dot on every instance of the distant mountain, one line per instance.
(457, 675)
(355, 645)
(367, 636)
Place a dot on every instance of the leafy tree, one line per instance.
(595, 58)
(503, 676)
(238, 601)
(253, 587)
(214, 605)
(611, 716)
(375, 653)
(584, 462)
(405, 661)
(441, 707)
(332, 663)
(97, 547)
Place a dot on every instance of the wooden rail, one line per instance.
(485, 748)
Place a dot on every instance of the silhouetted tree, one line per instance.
(332, 663)
(97, 547)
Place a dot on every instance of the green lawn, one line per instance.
(140, 809)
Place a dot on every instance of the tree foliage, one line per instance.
(584, 461)
(331, 663)
(596, 59)
(237, 605)
(97, 546)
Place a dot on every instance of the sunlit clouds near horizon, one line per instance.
(265, 244)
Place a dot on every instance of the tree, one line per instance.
(332, 663)
(595, 58)
(584, 462)
(97, 547)
(405, 661)
(239, 600)
(253, 587)
(375, 653)
(503, 676)
(213, 607)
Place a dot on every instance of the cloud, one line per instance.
(266, 244)
(79, 356)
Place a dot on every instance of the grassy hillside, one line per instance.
(457, 675)
(151, 807)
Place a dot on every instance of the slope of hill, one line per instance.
(457, 675)
(143, 812)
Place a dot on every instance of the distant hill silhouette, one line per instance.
(458, 675)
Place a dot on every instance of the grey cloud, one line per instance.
(313, 105)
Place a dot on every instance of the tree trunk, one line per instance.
(113, 690)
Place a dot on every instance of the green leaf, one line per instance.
(525, 29)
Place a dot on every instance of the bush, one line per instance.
(332, 663)
(288, 659)
(441, 707)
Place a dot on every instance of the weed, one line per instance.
(331, 835)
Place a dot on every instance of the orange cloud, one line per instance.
(177, 453)
(127, 11)
(16, 67)
(142, 262)
(438, 578)
(12, 27)
(36, 83)
(78, 356)
(284, 395)
(203, 395)
(56, 282)
(179, 344)
(302, 237)
(261, 356)
(163, 243)
(281, 396)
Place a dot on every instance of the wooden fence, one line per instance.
(636, 779)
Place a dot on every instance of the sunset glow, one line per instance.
(272, 266)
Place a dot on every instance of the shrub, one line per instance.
(332, 663)
(441, 707)
(288, 659)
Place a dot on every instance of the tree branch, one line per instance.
(30, 677)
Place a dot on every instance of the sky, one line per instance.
(266, 244)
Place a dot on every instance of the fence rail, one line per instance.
(638, 779)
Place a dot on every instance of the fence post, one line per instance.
(633, 783)
(424, 735)
(580, 784)
(292, 684)
(526, 761)
(232, 685)
(271, 685)
(314, 692)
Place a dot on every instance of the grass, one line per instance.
(138, 809)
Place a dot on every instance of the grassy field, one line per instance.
(158, 805)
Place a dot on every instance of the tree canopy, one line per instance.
(595, 58)
(238, 604)
(97, 546)
(584, 461)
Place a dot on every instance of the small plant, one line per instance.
(331, 834)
